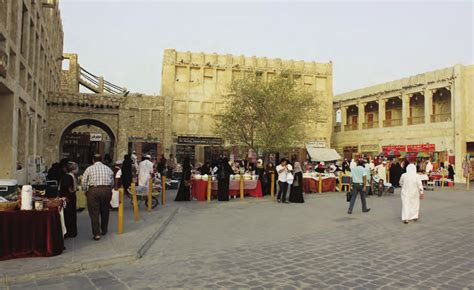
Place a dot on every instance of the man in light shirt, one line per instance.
(97, 183)
(359, 179)
(282, 184)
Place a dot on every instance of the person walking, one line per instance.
(97, 183)
(127, 173)
(282, 178)
(412, 192)
(68, 189)
(359, 180)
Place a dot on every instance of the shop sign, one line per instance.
(200, 140)
(369, 148)
(394, 148)
(421, 148)
(350, 148)
(77, 139)
(316, 144)
(96, 137)
(147, 139)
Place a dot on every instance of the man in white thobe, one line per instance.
(412, 192)
(352, 164)
(382, 171)
(429, 167)
(145, 171)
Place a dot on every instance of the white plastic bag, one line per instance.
(289, 178)
(114, 202)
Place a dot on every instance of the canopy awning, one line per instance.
(322, 154)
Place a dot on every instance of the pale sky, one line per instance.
(368, 42)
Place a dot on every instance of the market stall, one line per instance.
(30, 233)
(311, 183)
(251, 187)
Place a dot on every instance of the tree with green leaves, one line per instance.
(267, 115)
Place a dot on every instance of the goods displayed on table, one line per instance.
(311, 182)
(251, 183)
(33, 225)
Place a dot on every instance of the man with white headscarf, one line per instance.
(412, 192)
(145, 171)
(352, 164)
(429, 167)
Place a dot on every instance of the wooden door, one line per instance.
(354, 122)
(370, 120)
(388, 118)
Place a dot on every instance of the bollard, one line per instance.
(136, 214)
(241, 187)
(272, 185)
(209, 180)
(150, 192)
(120, 211)
(340, 182)
(163, 190)
(468, 180)
(442, 180)
(320, 186)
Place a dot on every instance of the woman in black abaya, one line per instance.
(396, 172)
(224, 170)
(67, 189)
(184, 191)
(296, 193)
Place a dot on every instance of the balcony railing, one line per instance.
(337, 128)
(416, 120)
(437, 118)
(392, 123)
(370, 125)
(351, 127)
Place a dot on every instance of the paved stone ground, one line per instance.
(83, 252)
(261, 244)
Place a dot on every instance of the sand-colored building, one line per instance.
(429, 112)
(109, 120)
(195, 85)
(31, 47)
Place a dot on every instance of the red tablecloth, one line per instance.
(252, 188)
(312, 185)
(30, 234)
(199, 189)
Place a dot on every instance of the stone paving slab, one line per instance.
(259, 244)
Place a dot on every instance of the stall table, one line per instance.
(251, 187)
(311, 184)
(30, 234)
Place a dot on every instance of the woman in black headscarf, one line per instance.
(396, 172)
(224, 170)
(184, 191)
(451, 172)
(126, 177)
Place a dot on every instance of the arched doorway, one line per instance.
(84, 138)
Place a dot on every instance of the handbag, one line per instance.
(348, 196)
